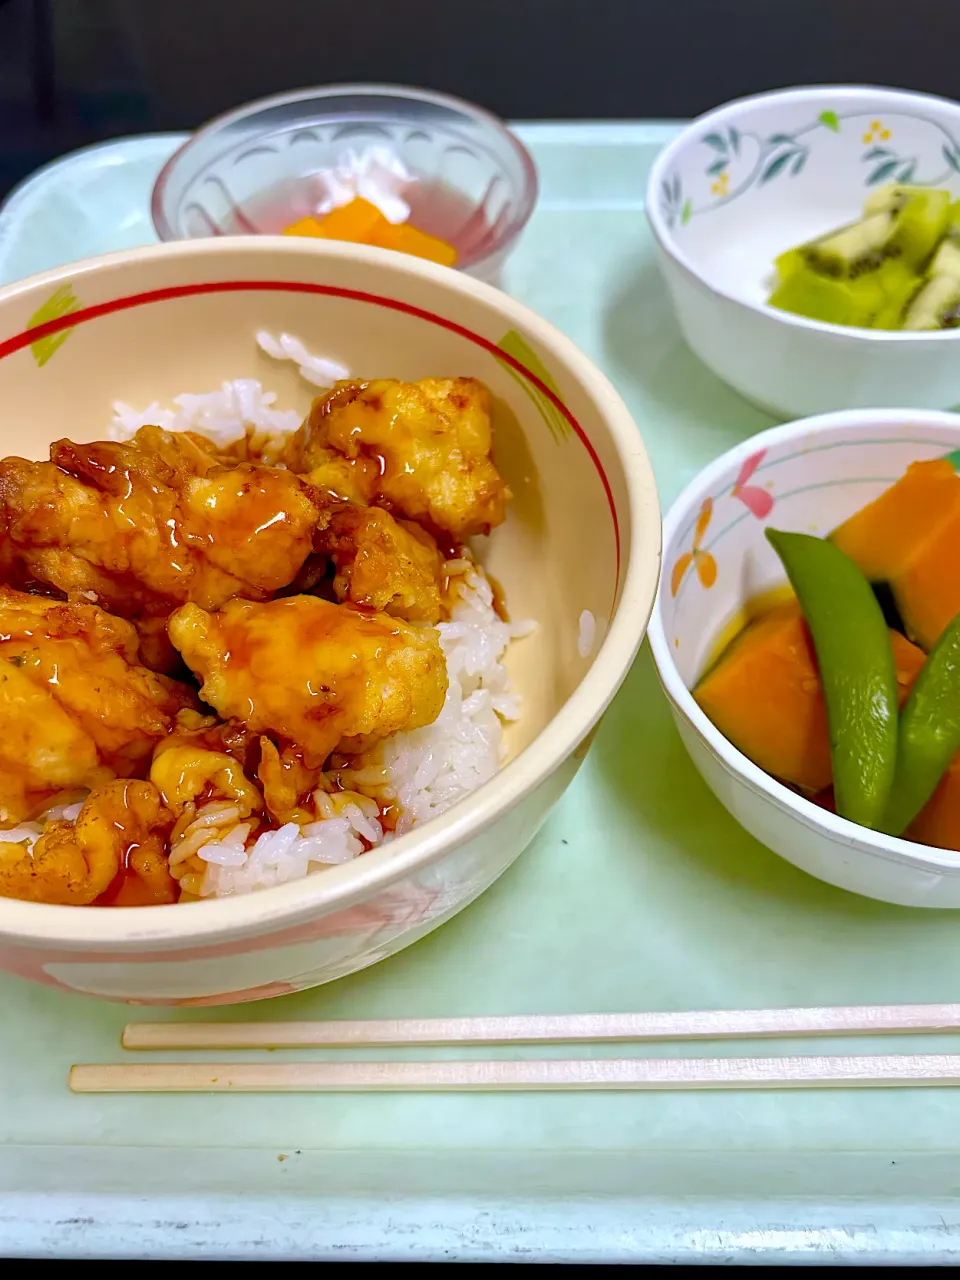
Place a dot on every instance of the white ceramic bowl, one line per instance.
(150, 323)
(807, 476)
(755, 177)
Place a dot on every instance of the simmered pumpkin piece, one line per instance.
(938, 823)
(765, 696)
(910, 538)
(885, 536)
(927, 590)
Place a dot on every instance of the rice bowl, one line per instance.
(571, 456)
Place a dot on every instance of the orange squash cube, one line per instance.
(764, 694)
(938, 823)
(910, 537)
(927, 590)
(886, 535)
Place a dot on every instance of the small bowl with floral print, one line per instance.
(805, 477)
(755, 177)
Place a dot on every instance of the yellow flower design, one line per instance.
(722, 184)
(702, 561)
(877, 133)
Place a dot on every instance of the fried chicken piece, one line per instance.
(76, 706)
(212, 799)
(422, 448)
(120, 832)
(341, 479)
(389, 565)
(145, 881)
(145, 526)
(286, 783)
(189, 776)
(210, 733)
(192, 777)
(314, 675)
(156, 651)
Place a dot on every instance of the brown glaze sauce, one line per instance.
(127, 889)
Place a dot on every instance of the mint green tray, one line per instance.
(641, 893)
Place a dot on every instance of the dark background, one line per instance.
(76, 71)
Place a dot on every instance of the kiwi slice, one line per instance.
(946, 260)
(852, 251)
(790, 262)
(819, 297)
(898, 285)
(920, 224)
(935, 306)
(898, 267)
(909, 230)
(892, 197)
(885, 199)
(952, 232)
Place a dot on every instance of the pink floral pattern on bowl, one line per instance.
(759, 501)
(809, 487)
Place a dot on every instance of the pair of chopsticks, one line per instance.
(532, 1074)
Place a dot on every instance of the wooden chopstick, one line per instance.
(905, 1071)
(581, 1028)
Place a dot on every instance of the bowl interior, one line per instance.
(759, 176)
(716, 558)
(182, 318)
(256, 169)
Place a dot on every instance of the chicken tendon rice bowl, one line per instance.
(237, 648)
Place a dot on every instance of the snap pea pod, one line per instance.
(929, 731)
(857, 671)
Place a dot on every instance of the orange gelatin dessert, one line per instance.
(361, 222)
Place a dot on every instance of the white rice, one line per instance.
(316, 369)
(29, 833)
(223, 416)
(415, 775)
(424, 772)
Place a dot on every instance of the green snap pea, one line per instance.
(929, 731)
(857, 671)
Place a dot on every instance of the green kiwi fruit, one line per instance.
(788, 263)
(920, 223)
(898, 267)
(935, 306)
(834, 301)
(946, 260)
(899, 285)
(853, 251)
(892, 197)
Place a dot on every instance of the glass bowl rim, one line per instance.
(526, 197)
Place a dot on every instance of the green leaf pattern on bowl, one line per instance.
(734, 161)
(516, 346)
(62, 302)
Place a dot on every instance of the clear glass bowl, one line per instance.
(254, 170)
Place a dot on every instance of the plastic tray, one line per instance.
(641, 893)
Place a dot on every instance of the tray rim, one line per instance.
(355, 1216)
(40, 1216)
